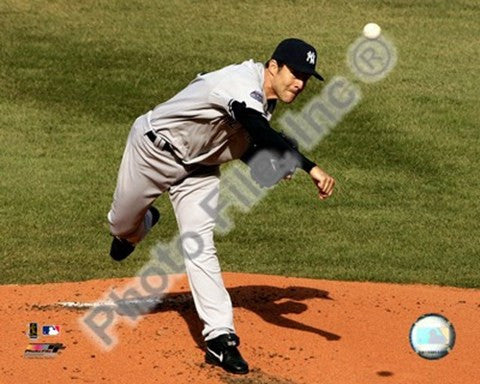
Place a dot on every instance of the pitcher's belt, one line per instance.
(159, 142)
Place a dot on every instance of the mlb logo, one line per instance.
(50, 330)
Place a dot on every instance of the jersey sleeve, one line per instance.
(242, 86)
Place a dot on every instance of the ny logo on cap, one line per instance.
(311, 57)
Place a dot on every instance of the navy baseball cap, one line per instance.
(297, 55)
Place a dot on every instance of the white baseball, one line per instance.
(372, 31)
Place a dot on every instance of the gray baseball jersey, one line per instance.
(197, 121)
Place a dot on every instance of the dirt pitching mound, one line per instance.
(292, 330)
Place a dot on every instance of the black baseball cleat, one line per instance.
(122, 248)
(223, 351)
(155, 215)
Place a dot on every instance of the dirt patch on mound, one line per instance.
(292, 331)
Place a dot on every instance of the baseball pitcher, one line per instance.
(178, 147)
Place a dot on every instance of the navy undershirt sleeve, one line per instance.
(264, 136)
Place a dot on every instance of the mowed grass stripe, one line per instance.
(74, 76)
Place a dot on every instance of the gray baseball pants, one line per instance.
(146, 171)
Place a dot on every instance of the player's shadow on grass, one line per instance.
(260, 299)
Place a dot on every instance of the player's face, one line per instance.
(288, 84)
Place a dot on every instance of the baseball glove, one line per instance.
(268, 167)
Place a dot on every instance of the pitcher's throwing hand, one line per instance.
(323, 181)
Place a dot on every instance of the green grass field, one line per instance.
(74, 76)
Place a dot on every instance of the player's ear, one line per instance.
(272, 66)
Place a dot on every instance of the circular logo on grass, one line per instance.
(432, 336)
